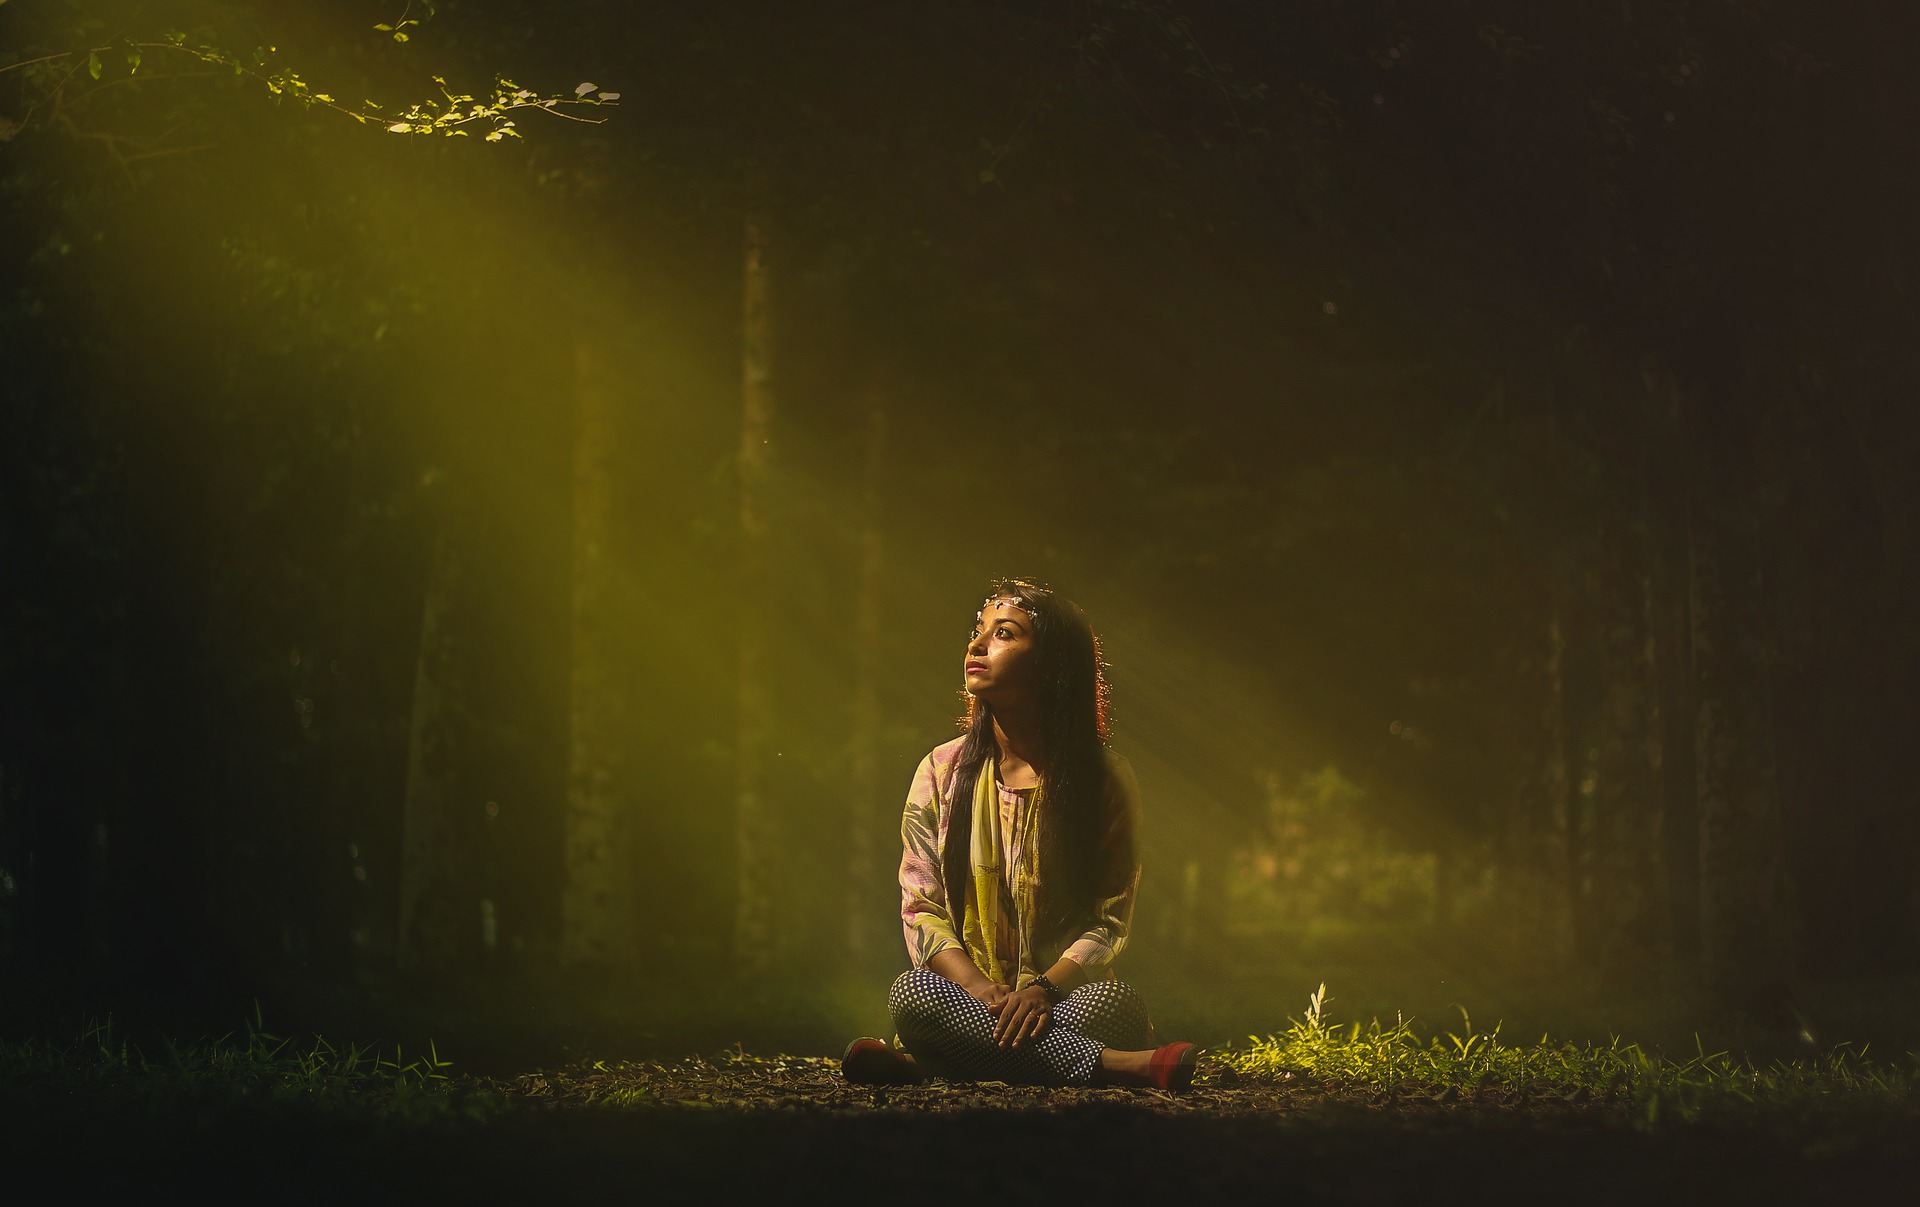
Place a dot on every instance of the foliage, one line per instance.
(257, 1067)
(1653, 1089)
(49, 78)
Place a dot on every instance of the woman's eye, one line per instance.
(1004, 634)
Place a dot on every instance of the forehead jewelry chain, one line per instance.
(1016, 602)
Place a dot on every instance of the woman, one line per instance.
(1018, 875)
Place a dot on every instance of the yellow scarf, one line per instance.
(985, 905)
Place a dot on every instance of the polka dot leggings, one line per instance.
(950, 1032)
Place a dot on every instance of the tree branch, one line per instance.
(419, 118)
(45, 58)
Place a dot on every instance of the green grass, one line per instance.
(253, 1068)
(1654, 1089)
(1841, 1090)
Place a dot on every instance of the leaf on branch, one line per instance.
(399, 128)
(583, 89)
(609, 96)
(93, 65)
(384, 28)
(398, 36)
(987, 176)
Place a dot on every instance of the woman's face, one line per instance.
(999, 665)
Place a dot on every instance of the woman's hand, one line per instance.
(1019, 1017)
(990, 993)
(958, 967)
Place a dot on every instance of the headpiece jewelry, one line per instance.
(1017, 602)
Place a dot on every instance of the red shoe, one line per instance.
(1172, 1067)
(869, 1061)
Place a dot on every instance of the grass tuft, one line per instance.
(255, 1066)
(1653, 1089)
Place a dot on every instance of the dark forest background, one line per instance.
(465, 570)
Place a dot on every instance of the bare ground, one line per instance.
(740, 1128)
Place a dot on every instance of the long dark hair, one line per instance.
(1071, 685)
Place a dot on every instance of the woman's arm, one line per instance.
(957, 966)
(1118, 864)
(932, 939)
(923, 897)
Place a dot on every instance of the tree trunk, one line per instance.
(595, 909)
(1558, 828)
(753, 930)
(865, 880)
(1536, 872)
(1552, 830)
(1679, 776)
(1627, 859)
(428, 935)
(1743, 917)
(12, 874)
(1655, 913)
(1670, 624)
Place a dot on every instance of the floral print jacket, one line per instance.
(924, 916)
